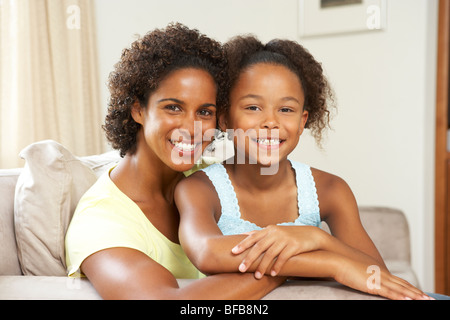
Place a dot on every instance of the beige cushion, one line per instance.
(47, 192)
(9, 263)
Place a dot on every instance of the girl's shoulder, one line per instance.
(197, 190)
(326, 180)
(196, 180)
(332, 191)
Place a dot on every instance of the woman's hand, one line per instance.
(375, 280)
(274, 245)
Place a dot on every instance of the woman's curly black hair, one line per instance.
(244, 51)
(145, 64)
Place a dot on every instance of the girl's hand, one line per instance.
(377, 281)
(275, 245)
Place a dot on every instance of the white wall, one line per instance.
(382, 141)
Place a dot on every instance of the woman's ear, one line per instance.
(137, 112)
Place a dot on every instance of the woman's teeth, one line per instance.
(184, 146)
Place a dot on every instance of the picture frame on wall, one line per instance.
(328, 17)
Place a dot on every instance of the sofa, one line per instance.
(37, 203)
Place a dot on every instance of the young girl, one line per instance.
(232, 217)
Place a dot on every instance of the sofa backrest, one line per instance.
(388, 229)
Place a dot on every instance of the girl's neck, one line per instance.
(250, 177)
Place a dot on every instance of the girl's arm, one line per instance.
(339, 209)
(211, 252)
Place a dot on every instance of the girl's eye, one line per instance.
(286, 109)
(253, 108)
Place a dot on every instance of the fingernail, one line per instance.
(273, 273)
(242, 267)
(408, 298)
(258, 275)
(235, 249)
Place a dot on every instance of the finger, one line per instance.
(284, 256)
(254, 253)
(249, 241)
(416, 292)
(269, 257)
(399, 289)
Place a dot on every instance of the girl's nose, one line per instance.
(270, 121)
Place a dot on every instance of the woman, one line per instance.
(124, 233)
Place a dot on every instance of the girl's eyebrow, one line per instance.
(258, 97)
(250, 95)
(290, 98)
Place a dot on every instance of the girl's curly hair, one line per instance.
(244, 51)
(145, 64)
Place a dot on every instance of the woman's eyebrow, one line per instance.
(171, 99)
(205, 105)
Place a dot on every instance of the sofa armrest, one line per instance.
(55, 288)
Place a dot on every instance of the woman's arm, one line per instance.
(123, 273)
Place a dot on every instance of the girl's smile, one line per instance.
(266, 112)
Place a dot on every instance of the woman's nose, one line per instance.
(191, 128)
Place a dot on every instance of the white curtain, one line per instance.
(49, 82)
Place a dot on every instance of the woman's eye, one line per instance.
(206, 113)
(173, 107)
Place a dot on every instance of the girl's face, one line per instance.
(178, 113)
(266, 113)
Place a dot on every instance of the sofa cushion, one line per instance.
(9, 263)
(47, 192)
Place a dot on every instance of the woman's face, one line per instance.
(178, 114)
(266, 113)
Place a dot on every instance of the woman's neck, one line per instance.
(142, 178)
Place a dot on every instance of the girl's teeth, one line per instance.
(268, 141)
